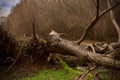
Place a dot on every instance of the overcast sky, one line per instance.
(5, 6)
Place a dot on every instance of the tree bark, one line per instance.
(114, 20)
(78, 50)
(95, 20)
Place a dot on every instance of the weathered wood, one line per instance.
(115, 45)
(100, 47)
(95, 20)
(72, 48)
(82, 76)
(72, 61)
(116, 26)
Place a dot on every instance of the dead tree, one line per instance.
(72, 48)
(79, 51)
(107, 60)
(114, 21)
(95, 20)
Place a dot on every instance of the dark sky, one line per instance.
(5, 6)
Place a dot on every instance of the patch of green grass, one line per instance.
(60, 74)
(66, 73)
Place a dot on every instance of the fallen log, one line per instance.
(72, 61)
(77, 50)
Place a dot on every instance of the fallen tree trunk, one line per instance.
(72, 61)
(78, 50)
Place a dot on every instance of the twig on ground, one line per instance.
(20, 50)
(82, 76)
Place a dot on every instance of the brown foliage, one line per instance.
(68, 16)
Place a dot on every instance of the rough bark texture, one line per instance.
(115, 23)
(79, 51)
(97, 18)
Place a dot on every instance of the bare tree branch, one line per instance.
(94, 21)
(114, 21)
(96, 75)
(79, 51)
(82, 76)
(33, 28)
(97, 8)
(107, 10)
(18, 55)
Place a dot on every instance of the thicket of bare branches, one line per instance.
(68, 16)
(72, 18)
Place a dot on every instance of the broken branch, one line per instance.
(80, 52)
(94, 21)
(114, 21)
(81, 77)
